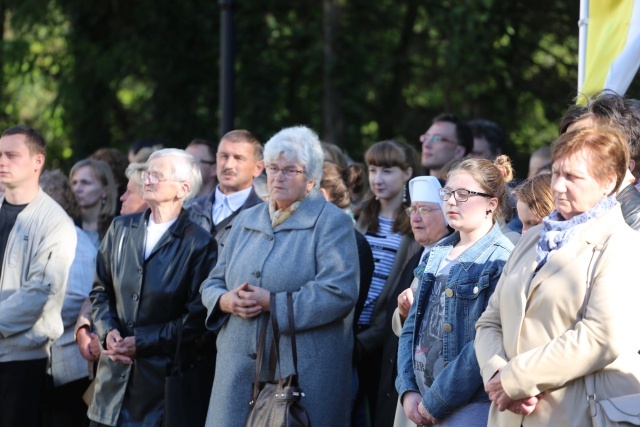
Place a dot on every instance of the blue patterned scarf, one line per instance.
(556, 231)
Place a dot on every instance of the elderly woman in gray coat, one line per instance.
(296, 243)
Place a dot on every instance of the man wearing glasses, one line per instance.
(205, 154)
(238, 163)
(448, 138)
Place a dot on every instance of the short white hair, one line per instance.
(183, 168)
(297, 144)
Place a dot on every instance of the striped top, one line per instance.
(384, 246)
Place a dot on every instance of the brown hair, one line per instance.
(58, 187)
(606, 148)
(241, 135)
(337, 182)
(32, 138)
(388, 154)
(536, 193)
(492, 177)
(117, 161)
(103, 172)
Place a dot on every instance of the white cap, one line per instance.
(427, 189)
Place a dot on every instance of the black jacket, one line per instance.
(629, 199)
(387, 394)
(148, 299)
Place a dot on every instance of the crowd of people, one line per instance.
(429, 286)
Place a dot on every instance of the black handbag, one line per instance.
(187, 391)
(276, 403)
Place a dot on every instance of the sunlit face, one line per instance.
(429, 227)
(236, 166)
(575, 190)
(283, 190)
(132, 200)
(387, 183)
(167, 189)
(440, 145)
(470, 215)
(17, 165)
(528, 218)
(87, 188)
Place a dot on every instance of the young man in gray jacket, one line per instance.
(37, 246)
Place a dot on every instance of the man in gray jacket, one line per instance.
(238, 163)
(37, 247)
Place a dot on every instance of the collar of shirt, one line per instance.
(234, 201)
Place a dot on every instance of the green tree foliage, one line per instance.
(105, 73)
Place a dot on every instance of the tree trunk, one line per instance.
(332, 116)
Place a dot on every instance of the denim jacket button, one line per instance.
(475, 290)
(447, 327)
(445, 363)
(448, 292)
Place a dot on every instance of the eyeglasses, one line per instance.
(154, 177)
(423, 210)
(434, 139)
(207, 162)
(288, 172)
(461, 195)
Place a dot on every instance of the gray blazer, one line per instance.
(312, 254)
(200, 212)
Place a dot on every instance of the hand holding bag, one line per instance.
(616, 411)
(277, 403)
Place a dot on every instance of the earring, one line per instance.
(487, 213)
(404, 194)
(104, 200)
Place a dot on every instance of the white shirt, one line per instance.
(154, 233)
(224, 205)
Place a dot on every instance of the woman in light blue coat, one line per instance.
(296, 243)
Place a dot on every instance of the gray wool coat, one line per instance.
(312, 254)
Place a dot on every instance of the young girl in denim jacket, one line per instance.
(439, 378)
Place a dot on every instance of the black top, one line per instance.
(8, 215)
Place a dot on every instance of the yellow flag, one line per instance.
(613, 45)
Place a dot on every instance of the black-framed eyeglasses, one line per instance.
(461, 195)
(422, 210)
(288, 172)
(434, 139)
(154, 177)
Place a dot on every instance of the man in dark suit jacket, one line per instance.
(238, 163)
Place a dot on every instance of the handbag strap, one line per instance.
(259, 354)
(276, 334)
(292, 331)
(590, 380)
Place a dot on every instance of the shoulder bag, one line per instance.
(276, 403)
(615, 411)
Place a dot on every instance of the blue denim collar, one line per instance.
(467, 258)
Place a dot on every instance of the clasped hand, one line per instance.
(500, 398)
(121, 350)
(245, 301)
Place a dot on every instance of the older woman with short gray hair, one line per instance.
(297, 243)
(148, 273)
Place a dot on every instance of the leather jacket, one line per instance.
(148, 299)
(629, 198)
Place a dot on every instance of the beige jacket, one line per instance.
(530, 330)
